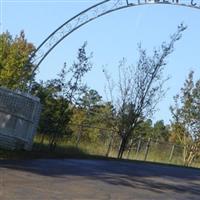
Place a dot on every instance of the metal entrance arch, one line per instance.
(19, 112)
(90, 14)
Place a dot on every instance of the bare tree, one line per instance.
(140, 88)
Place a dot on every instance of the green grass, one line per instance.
(95, 150)
(72, 153)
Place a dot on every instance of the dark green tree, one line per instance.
(144, 129)
(90, 99)
(59, 97)
(55, 113)
(160, 131)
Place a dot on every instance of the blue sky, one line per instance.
(110, 38)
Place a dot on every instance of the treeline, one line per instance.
(71, 109)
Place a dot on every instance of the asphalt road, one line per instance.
(95, 179)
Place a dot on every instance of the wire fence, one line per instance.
(143, 149)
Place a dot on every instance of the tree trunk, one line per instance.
(41, 142)
(53, 143)
(122, 147)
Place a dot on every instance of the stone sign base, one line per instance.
(19, 116)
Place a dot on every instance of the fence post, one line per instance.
(138, 148)
(79, 136)
(129, 148)
(171, 153)
(109, 145)
(147, 149)
(156, 141)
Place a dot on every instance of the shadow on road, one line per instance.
(152, 177)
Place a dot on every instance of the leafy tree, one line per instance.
(59, 97)
(88, 119)
(55, 114)
(144, 129)
(178, 133)
(160, 131)
(73, 88)
(77, 122)
(141, 88)
(15, 68)
(186, 119)
(157, 131)
(90, 99)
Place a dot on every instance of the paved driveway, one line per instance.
(95, 179)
